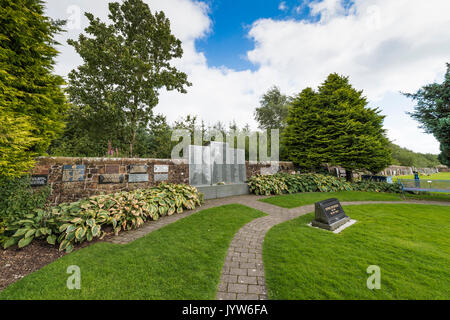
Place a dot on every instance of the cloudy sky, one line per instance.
(234, 50)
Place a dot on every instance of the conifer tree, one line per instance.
(334, 126)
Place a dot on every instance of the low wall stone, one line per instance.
(82, 175)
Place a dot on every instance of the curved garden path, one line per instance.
(243, 271)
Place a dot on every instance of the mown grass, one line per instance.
(410, 244)
(180, 261)
(300, 199)
(434, 176)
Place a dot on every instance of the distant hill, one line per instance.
(404, 157)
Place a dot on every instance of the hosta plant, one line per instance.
(267, 184)
(85, 220)
(38, 225)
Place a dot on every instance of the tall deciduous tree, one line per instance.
(273, 111)
(433, 112)
(334, 125)
(125, 64)
(32, 102)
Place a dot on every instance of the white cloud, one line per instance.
(384, 46)
(282, 6)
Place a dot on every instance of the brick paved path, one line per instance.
(243, 271)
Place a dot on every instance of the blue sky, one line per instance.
(235, 50)
(228, 42)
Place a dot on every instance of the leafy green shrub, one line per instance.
(37, 225)
(267, 184)
(18, 198)
(293, 183)
(84, 220)
(311, 182)
(372, 186)
(314, 183)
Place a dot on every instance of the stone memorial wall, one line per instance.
(72, 179)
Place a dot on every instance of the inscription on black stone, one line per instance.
(111, 178)
(329, 215)
(39, 180)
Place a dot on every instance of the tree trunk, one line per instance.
(133, 139)
(349, 175)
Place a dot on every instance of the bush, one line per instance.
(294, 183)
(314, 183)
(84, 220)
(18, 198)
(372, 186)
(267, 184)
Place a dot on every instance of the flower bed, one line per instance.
(294, 183)
(85, 220)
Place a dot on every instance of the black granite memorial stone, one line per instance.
(111, 178)
(39, 180)
(329, 215)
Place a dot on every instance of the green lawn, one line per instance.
(435, 176)
(410, 243)
(180, 261)
(301, 199)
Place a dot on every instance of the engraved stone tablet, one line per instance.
(73, 173)
(138, 177)
(329, 215)
(111, 178)
(39, 180)
(137, 168)
(161, 177)
(161, 168)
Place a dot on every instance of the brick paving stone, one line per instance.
(237, 288)
(247, 280)
(247, 296)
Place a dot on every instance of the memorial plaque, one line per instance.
(111, 178)
(39, 180)
(161, 177)
(73, 173)
(137, 168)
(138, 177)
(161, 168)
(329, 215)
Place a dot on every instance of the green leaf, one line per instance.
(10, 242)
(96, 230)
(51, 239)
(20, 232)
(25, 241)
(30, 233)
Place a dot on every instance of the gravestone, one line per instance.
(329, 215)
(111, 178)
(73, 173)
(39, 180)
